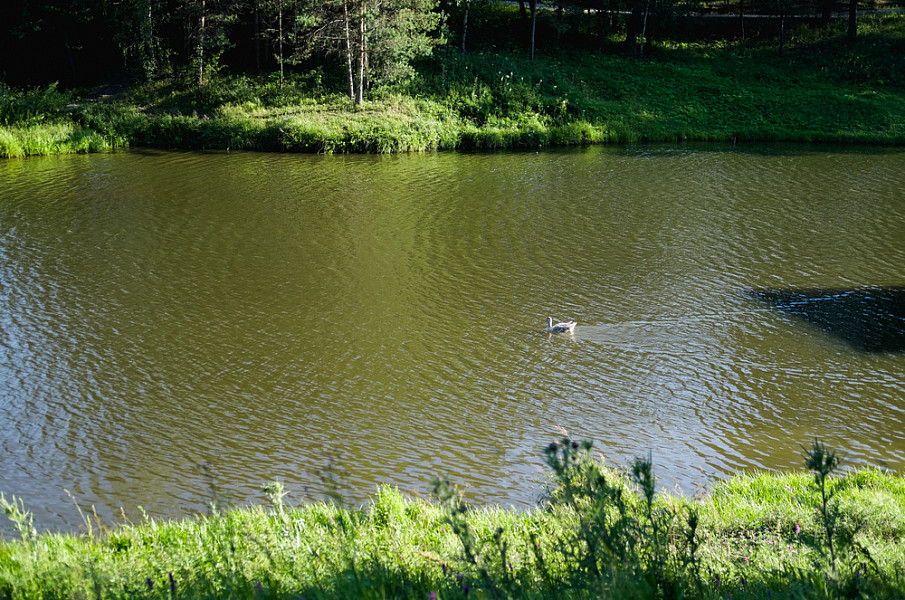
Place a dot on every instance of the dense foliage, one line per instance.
(80, 42)
(601, 533)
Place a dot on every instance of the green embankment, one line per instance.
(600, 534)
(819, 90)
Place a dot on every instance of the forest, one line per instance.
(360, 43)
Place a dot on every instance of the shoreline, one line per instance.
(600, 531)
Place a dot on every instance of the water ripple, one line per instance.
(174, 325)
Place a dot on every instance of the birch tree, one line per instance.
(207, 23)
(377, 39)
(279, 29)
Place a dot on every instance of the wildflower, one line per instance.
(797, 528)
(433, 596)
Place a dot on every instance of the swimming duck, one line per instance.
(565, 327)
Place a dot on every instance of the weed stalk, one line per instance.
(823, 462)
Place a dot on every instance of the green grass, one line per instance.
(819, 90)
(600, 533)
(51, 138)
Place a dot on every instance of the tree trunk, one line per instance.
(257, 18)
(280, 17)
(602, 20)
(633, 29)
(349, 50)
(826, 11)
(362, 60)
(465, 24)
(644, 29)
(201, 44)
(146, 29)
(852, 21)
(533, 26)
(782, 34)
(68, 43)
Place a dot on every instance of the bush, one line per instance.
(32, 107)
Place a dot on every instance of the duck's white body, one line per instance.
(564, 327)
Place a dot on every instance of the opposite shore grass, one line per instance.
(601, 533)
(818, 91)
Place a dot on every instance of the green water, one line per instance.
(180, 326)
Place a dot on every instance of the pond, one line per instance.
(181, 328)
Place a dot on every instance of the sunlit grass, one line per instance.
(50, 138)
(599, 533)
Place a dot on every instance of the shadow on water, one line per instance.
(870, 319)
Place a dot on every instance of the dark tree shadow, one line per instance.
(870, 319)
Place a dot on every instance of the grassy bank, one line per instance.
(817, 91)
(601, 534)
